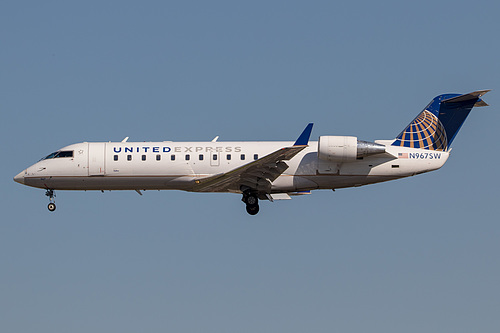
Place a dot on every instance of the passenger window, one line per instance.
(187, 157)
(214, 157)
(228, 157)
(242, 157)
(172, 157)
(115, 157)
(255, 156)
(158, 157)
(201, 157)
(143, 157)
(129, 157)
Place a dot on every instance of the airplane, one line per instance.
(258, 171)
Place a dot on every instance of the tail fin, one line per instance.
(437, 125)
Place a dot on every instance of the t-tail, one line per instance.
(437, 125)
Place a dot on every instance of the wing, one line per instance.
(257, 175)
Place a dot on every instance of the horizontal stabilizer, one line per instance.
(481, 103)
(470, 96)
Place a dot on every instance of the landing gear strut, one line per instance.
(252, 202)
(52, 203)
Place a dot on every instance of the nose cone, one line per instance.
(20, 177)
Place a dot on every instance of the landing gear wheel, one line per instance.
(251, 200)
(252, 210)
(52, 206)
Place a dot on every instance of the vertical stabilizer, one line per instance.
(437, 125)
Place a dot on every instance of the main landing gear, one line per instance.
(52, 203)
(252, 202)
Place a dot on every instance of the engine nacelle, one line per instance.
(346, 148)
(338, 148)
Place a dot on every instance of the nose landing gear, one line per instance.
(52, 203)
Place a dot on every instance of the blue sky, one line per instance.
(414, 255)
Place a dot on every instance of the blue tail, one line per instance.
(437, 125)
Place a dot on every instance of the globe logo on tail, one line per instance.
(424, 132)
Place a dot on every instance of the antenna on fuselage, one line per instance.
(125, 140)
(215, 139)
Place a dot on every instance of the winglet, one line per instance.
(303, 139)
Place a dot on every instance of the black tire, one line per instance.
(252, 210)
(52, 206)
(251, 200)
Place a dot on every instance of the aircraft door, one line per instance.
(214, 159)
(97, 161)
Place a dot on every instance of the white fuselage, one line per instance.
(176, 165)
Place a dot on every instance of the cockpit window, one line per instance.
(48, 157)
(57, 154)
(67, 153)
